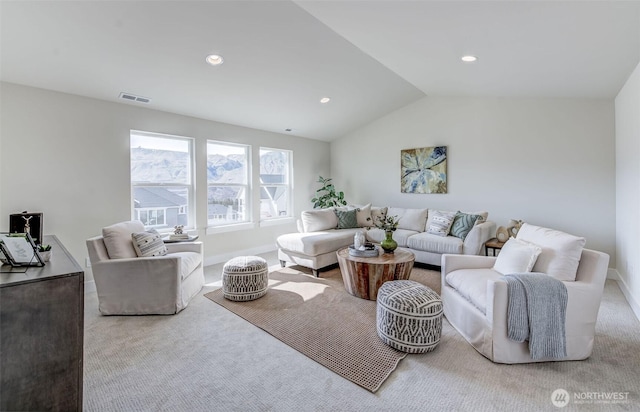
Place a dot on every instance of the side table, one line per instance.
(495, 245)
(363, 276)
(189, 239)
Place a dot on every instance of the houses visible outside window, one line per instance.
(162, 180)
(227, 183)
(275, 183)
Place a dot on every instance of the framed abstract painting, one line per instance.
(423, 170)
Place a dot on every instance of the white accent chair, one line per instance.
(475, 302)
(130, 285)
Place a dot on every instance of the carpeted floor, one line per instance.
(209, 359)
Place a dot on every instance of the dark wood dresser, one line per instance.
(41, 335)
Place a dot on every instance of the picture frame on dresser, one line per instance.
(27, 222)
(19, 249)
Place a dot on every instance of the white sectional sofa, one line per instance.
(322, 232)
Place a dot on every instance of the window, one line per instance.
(275, 183)
(227, 184)
(162, 180)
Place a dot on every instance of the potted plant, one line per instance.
(327, 196)
(45, 252)
(389, 224)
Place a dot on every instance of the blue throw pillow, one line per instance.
(463, 223)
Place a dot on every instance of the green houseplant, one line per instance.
(45, 252)
(327, 196)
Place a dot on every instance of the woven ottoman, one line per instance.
(245, 278)
(409, 316)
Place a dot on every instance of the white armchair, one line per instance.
(131, 285)
(475, 303)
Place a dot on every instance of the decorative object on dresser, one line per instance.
(41, 335)
(45, 252)
(26, 222)
(19, 249)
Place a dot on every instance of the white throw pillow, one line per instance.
(561, 251)
(409, 219)
(440, 222)
(117, 239)
(363, 215)
(319, 219)
(148, 243)
(378, 213)
(516, 256)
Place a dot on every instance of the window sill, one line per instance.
(230, 228)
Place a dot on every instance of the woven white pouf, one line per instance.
(245, 278)
(409, 316)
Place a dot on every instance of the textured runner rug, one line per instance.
(318, 318)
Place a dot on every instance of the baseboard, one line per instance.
(89, 286)
(635, 306)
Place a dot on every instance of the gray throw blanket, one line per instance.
(537, 311)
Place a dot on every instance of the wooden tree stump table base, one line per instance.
(363, 276)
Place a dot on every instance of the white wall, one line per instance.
(549, 162)
(68, 157)
(627, 106)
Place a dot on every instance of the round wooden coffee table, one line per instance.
(363, 276)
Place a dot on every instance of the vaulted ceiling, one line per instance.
(282, 57)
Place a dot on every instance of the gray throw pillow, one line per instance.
(148, 243)
(347, 219)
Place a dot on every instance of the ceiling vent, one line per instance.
(133, 98)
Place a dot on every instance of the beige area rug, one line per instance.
(318, 318)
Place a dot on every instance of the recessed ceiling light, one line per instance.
(214, 60)
(469, 59)
(325, 100)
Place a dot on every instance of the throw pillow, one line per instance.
(463, 223)
(347, 219)
(441, 222)
(117, 239)
(409, 219)
(561, 252)
(318, 219)
(148, 243)
(363, 215)
(516, 256)
(377, 213)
